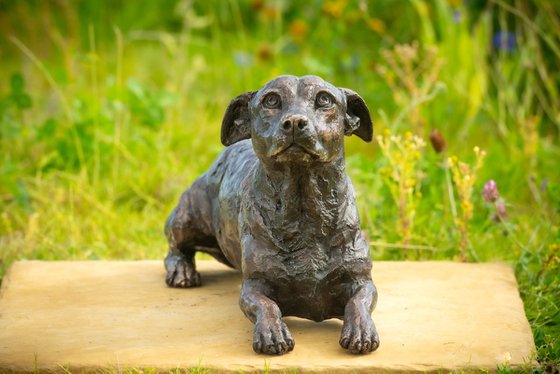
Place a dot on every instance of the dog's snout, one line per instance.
(294, 123)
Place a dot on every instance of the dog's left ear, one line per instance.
(236, 124)
(357, 120)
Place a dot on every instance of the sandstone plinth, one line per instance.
(90, 315)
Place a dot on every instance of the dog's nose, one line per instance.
(294, 123)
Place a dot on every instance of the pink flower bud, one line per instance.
(490, 191)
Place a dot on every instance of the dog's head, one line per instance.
(295, 119)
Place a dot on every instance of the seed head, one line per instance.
(438, 142)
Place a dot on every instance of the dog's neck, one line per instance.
(304, 192)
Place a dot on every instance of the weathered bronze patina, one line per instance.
(278, 205)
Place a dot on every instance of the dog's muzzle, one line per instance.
(298, 137)
(294, 123)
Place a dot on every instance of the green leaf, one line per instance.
(23, 101)
(48, 130)
(17, 83)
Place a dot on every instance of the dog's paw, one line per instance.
(359, 334)
(272, 337)
(181, 274)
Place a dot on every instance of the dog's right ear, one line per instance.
(236, 124)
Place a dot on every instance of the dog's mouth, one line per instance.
(294, 149)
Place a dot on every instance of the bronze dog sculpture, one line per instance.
(281, 208)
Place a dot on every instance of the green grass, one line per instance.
(108, 111)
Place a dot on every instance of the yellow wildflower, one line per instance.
(298, 30)
(377, 25)
(334, 8)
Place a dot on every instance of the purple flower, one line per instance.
(457, 16)
(504, 40)
(490, 191)
(243, 59)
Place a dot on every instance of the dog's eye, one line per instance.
(272, 101)
(324, 100)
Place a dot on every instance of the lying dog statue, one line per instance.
(277, 205)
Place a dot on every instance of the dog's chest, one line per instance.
(314, 227)
(311, 290)
(301, 237)
(304, 259)
(311, 272)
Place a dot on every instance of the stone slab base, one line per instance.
(114, 315)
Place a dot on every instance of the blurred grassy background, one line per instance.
(110, 109)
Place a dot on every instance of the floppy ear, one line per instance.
(236, 124)
(357, 120)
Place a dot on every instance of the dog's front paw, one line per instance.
(272, 337)
(359, 334)
(181, 273)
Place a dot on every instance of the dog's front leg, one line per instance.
(271, 335)
(359, 334)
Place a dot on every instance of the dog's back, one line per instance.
(206, 217)
(223, 183)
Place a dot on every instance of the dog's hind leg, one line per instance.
(179, 263)
(181, 270)
(186, 230)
